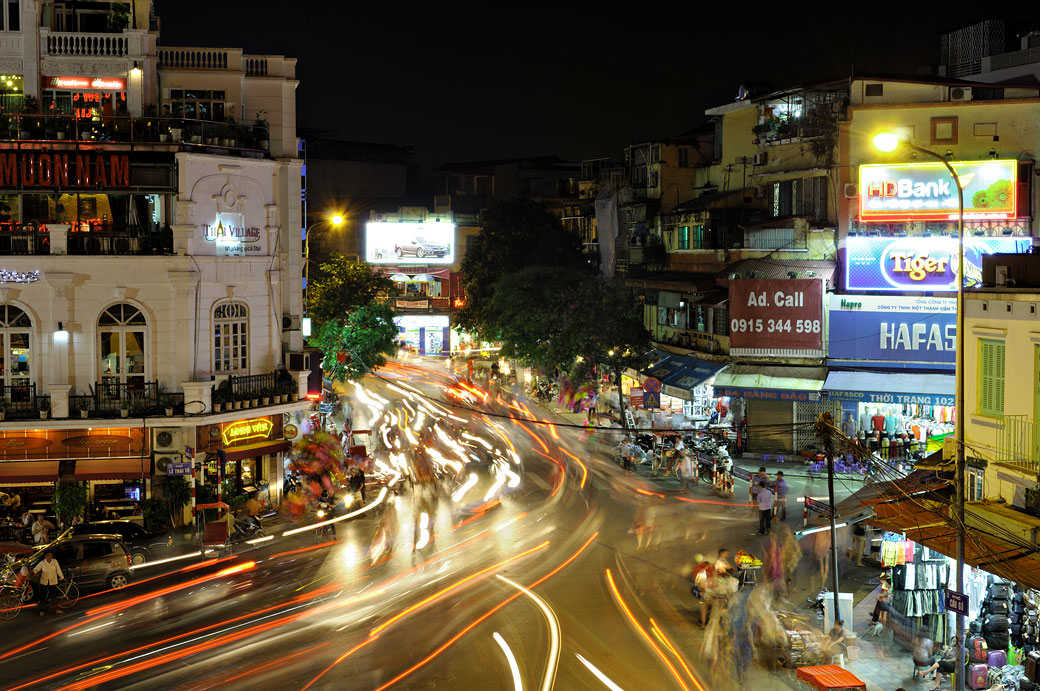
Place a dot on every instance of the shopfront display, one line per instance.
(247, 455)
(687, 386)
(425, 334)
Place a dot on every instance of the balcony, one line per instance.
(1018, 443)
(254, 390)
(225, 59)
(84, 239)
(21, 402)
(126, 399)
(95, 45)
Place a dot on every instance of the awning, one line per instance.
(680, 374)
(826, 677)
(771, 383)
(859, 506)
(28, 471)
(238, 453)
(113, 468)
(891, 387)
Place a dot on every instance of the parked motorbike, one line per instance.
(816, 603)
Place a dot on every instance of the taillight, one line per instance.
(129, 561)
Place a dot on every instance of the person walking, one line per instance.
(859, 537)
(50, 573)
(765, 508)
(780, 489)
(755, 485)
(686, 473)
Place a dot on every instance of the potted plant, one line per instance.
(218, 405)
(262, 130)
(236, 404)
(84, 408)
(45, 410)
(4, 408)
(253, 400)
(124, 408)
(265, 397)
(169, 410)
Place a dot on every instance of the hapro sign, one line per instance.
(893, 329)
(923, 191)
(409, 243)
(926, 264)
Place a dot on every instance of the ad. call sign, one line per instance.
(776, 314)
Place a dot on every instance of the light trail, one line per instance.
(275, 663)
(584, 470)
(514, 668)
(672, 649)
(465, 487)
(424, 531)
(552, 663)
(368, 507)
(600, 675)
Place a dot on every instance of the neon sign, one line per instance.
(103, 83)
(925, 191)
(257, 428)
(8, 276)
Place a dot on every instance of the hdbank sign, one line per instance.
(893, 329)
(922, 191)
(923, 264)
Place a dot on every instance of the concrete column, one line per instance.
(59, 233)
(60, 350)
(185, 358)
(197, 391)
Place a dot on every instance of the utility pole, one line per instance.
(825, 431)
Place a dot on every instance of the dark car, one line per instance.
(93, 560)
(420, 248)
(144, 546)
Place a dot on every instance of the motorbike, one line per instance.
(816, 603)
(324, 513)
(247, 528)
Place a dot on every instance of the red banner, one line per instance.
(776, 314)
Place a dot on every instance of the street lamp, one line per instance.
(888, 142)
(336, 220)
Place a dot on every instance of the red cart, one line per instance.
(829, 678)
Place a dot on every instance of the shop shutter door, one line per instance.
(805, 416)
(770, 426)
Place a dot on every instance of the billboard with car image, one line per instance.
(426, 242)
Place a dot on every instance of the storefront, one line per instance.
(245, 454)
(428, 334)
(85, 98)
(686, 387)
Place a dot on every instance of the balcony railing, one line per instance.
(1018, 443)
(135, 399)
(132, 129)
(86, 238)
(194, 58)
(239, 388)
(20, 402)
(87, 45)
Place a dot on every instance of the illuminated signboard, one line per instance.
(920, 263)
(409, 243)
(100, 83)
(231, 236)
(922, 191)
(257, 428)
(64, 169)
(893, 328)
(776, 316)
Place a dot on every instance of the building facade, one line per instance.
(150, 236)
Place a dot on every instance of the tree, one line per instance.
(70, 500)
(341, 286)
(515, 234)
(352, 348)
(176, 492)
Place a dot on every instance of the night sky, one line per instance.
(502, 80)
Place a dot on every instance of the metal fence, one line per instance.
(1018, 443)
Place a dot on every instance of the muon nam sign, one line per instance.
(45, 169)
(923, 191)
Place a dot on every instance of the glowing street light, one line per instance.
(886, 141)
(335, 220)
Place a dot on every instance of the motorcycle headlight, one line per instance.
(321, 513)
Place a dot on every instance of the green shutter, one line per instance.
(991, 378)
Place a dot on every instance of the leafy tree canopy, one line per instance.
(515, 234)
(350, 348)
(341, 286)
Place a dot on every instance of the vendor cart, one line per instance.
(663, 453)
(829, 678)
(214, 532)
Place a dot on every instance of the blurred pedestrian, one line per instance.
(687, 473)
(723, 566)
(755, 485)
(822, 552)
(836, 639)
(765, 508)
(859, 537)
(780, 490)
(50, 575)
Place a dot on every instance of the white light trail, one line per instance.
(549, 680)
(466, 486)
(166, 561)
(363, 509)
(518, 683)
(600, 675)
(424, 531)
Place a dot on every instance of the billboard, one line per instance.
(776, 316)
(922, 191)
(409, 243)
(920, 263)
(893, 328)
(232, 238)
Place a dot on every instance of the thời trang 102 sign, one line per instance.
(920, 263)
(923, 191)
(776, 316)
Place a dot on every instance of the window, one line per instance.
(121, 345)
(684, 238)
(874, 90)
(197, 103)
(944, 130)
(991, 377)
(96, 550)
(718, 140)
(973, 489)
(806, 197)
(13, 15)
(722, 320)
(684, 157)
(230, 335)
(15, 334)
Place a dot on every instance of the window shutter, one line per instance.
(991, 376)
(998, 378)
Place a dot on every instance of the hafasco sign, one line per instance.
(920, 263)
(230, 234)
(776, 315)
(922, 191)
(893, 329)
(64, 170)
(99, 83)
(256, 428)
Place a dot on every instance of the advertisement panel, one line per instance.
(409, 243)
(776, 315)
(893, 329)
(927, 264)
(922, 191)
(231, 237)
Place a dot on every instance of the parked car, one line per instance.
(420, 248)
(93, 560)
(144, 546)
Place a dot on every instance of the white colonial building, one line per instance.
(150, 255)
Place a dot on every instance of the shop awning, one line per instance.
(238, 453)
(859, 506)
(891, 387)
(113, 468)
(28, 471)
(680, 374)
(771, 383)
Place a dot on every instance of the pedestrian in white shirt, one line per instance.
(765, 508)
(50, 575)
(40, 530)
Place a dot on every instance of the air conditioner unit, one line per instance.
(949, 449)
(441, 203)
(760, 191)
(960, 93)
(851, 190)
(162, 460)
(166, 439)
(761, 158)
(291, 322)
(297, 362)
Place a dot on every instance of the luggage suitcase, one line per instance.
(996, 658)
(998, 591)
(977, 650)
(1032, 665)
(978, 676)
(997, 641)
(997, 607)
(995, 623)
